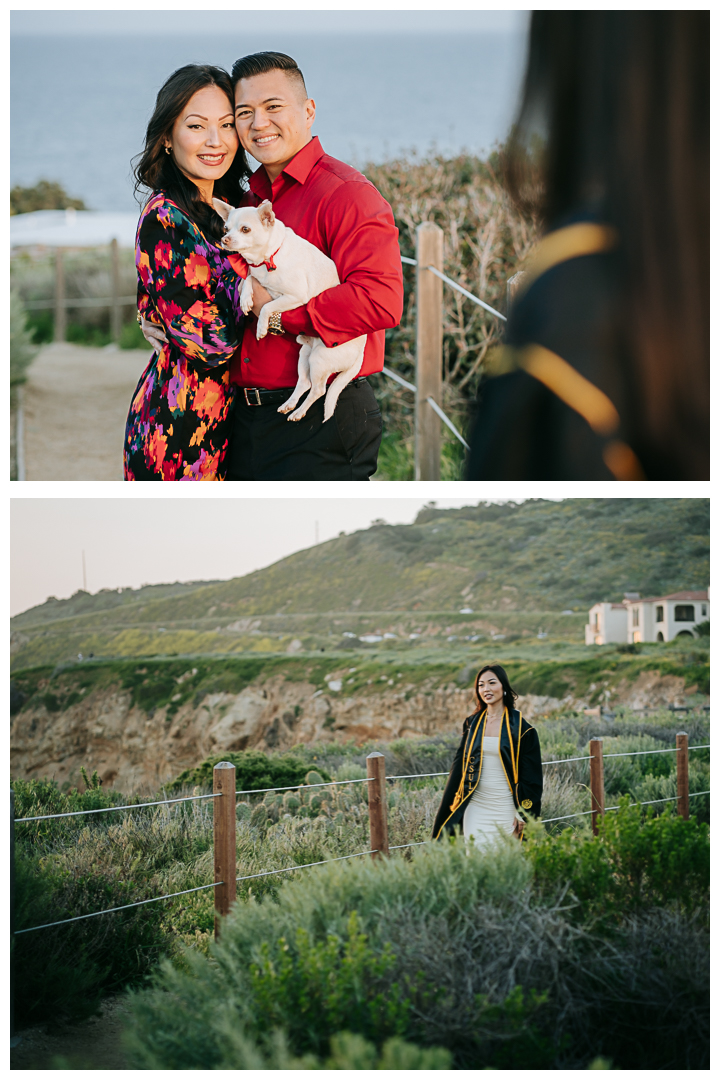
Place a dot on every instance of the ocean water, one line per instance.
(79, 105)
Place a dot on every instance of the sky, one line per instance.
(218, 22)
(154, 541)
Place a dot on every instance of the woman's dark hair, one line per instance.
(615, 117)
(157, 170)
(509, 695)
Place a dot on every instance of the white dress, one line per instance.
(491, 807)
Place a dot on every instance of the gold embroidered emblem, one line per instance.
(526, 804)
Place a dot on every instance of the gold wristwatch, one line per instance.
(275, 325)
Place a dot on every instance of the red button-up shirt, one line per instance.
(336, 208)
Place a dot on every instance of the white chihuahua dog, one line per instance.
(293, 271)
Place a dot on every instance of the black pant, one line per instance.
(265, 445)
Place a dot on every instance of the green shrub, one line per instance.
(131, 337)
(35, 798)
(463, 953)
(313, 988)
(45, 195)
(635, 863)
(22, 348)
(61, 973)
(254, 771)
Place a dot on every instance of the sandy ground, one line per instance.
(92, 1044)
(76, 401)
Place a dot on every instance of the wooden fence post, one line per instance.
(377, 805)
(224, 840)
(597, 782)
(115, 309)
(683, 784)
(513, 284)
(429, 346)
(60, 331)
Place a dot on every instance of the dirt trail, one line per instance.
(91, 1044)
(76, 401)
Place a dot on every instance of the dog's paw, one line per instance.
(246, 298)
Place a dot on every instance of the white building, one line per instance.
(608, 623)
(662, 618)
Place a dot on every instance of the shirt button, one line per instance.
(246, 359)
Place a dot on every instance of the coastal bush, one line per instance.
(639, 865)
(253, 770)
(61, 973)
(636, 863)
(22, 348)
(465, 952)
(485, 239)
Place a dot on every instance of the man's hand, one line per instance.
(153, 334)
(260, 297)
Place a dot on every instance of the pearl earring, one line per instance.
(168, 149)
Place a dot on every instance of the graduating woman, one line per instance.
(605, 369)
(496, 775)
(178, 424)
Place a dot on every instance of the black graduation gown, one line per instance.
(520, 756)
(559, 403)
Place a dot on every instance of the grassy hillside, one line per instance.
(533, 667)
(519, 568)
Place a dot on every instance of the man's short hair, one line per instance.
(261, 62)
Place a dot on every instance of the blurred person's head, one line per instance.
(191, 146)
(273, 113)
(615, 118)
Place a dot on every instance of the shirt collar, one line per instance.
(299, 168)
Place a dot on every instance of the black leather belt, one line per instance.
(257, 395)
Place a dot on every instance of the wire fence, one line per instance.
(411, 386)
(370, 851)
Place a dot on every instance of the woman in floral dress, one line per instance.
(177, 427)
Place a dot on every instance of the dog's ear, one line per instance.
(266, 214)
(224, 209)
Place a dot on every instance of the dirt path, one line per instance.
(92, 1044)
(76, 401)
(75, 405)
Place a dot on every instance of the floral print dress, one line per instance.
(178, 424)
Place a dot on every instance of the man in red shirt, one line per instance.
(337, 209)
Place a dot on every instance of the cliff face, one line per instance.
(133, 750)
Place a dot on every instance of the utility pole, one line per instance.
(317, 532)
(84, 574)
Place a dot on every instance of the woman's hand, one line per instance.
(261, 297)
(518, 829)
(153, 334)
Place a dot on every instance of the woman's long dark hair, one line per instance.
(509, 695)
(615, 116)
(157, 170)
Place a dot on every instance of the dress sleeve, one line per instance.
(530, 775)
(176, 287)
